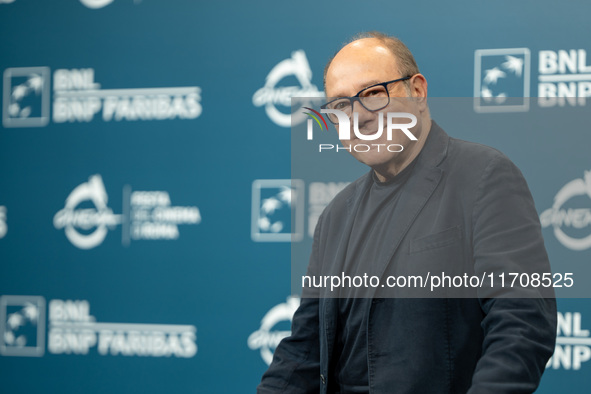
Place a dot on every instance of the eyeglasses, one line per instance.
(372, 98)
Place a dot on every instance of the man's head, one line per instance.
(405, 61)
(370, 59)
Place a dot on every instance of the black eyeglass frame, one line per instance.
(358, 97)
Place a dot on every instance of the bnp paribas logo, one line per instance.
(502, 80)
(26, 97)
(22, 326)
(277, 210)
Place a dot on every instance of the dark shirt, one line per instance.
(376, 211)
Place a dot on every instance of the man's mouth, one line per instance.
(368, 128)
(366, 131)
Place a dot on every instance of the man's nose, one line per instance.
(364, 117)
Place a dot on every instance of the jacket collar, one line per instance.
(432, 154)
(435, 149)
(425, 177)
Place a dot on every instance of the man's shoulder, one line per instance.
(474, 165)
(448, 153)
(473, 152)
(473, 161)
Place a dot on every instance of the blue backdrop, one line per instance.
(142, 141)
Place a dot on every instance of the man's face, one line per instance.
(357, 66)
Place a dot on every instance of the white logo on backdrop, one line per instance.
(265, 338)
(22, 326)
(3, 225)
(96, 3)
(573, 343)
(272, 95)
(576, 218)
(147, 215)
(26, 97)
(493, 66)
(77, 97)
(502, 79)
(100, 218)
(152, 216)
(564, 78)
(73, 330)
(277, 210)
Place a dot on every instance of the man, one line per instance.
(439, 204)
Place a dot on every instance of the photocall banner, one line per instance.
(159, 190)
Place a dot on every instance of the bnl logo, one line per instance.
(22, 326)
(502, 80)
(26, 97)
(277, 210)
(573, 343)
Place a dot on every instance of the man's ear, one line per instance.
(418, 90)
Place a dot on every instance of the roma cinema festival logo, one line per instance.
(571, 220)
(344, 130)
(86, 227)
(275, 326)
(274, 95)
(96, 3)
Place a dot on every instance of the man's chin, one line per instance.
(375, 159)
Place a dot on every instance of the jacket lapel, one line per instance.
(421, 184)
(414, 195)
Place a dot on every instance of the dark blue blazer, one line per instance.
(466, 208)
